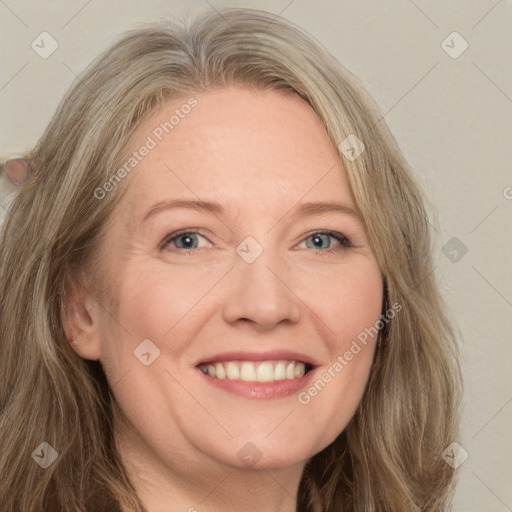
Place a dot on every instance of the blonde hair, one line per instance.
(389, 456)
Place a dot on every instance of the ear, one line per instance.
(17, 169)
(80, 315)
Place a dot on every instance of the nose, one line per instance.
(260, 293)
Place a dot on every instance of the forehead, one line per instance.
(252, 147)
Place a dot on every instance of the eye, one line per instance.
(322, 241)
(186, 241)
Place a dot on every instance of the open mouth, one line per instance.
(256, 371)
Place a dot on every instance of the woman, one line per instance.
(217, 291)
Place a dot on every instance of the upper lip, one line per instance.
(245, 355)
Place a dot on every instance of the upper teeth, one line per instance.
(251, 371)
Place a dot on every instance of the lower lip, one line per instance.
(260, 390)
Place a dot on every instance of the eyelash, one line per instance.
(342, 239)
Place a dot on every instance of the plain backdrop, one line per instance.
(450, 110)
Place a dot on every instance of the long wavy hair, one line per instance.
(389, 458)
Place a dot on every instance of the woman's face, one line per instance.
(251, 288)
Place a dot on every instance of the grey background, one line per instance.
(451, 116)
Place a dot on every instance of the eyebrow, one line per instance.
(305, 209)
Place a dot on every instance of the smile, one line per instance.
(256, 371)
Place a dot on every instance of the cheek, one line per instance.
(350, 310)
(144, 310)
(156, 304)
(360, 302)
(349, 302)
(354, 317)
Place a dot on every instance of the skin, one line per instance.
(260, 155)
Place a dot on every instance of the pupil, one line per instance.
(317, 240)
(187, 240)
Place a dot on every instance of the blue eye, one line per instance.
(185, 240)
(321, 241)
(188, 241)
